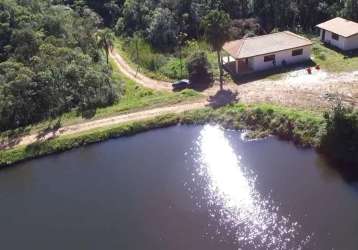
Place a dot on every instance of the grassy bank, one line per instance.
(304, 128)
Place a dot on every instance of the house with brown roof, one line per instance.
(340, 33)
(266, 52)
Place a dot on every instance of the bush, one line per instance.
(199, 68)
(172, 69)
(341, 139)
(147, 57)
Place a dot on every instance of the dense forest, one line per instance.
(51, 60)
(160, 21)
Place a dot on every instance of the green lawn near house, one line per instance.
(333, 60)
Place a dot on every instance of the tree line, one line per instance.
(160, 21)
(50, 62)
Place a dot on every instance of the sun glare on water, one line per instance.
(233, 200)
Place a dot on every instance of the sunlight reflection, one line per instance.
(231, 194)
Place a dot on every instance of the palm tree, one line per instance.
(105, 41)
(216, 25)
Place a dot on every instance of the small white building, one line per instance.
(266, 52)
(340, 33)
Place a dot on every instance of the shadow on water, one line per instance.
(348, 172)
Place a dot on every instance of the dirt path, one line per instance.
(138, 77)
(68, 130)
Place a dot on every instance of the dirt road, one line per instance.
(68, 130)
(138, 77)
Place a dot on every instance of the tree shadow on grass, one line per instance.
(223, 97)
(50, 131)
(13, 137)
(346, 54)
(88, 113)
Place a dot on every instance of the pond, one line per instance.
(180, 188)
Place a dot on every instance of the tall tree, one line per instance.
(216, 26)
(105, 40)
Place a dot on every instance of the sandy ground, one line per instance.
(299, 89)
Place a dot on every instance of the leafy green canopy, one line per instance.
(50, 63)
(341, 138)
(160, 20)
(199, 68)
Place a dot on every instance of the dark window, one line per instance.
(297, 52)
(335, 36)
(269, 58)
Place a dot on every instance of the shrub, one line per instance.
(145, 57)
(341, 139)
(172, 69)
(199, 68)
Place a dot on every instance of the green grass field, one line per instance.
(332, 60)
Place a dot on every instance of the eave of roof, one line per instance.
(245, 48)
(340, 26)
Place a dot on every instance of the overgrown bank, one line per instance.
(300, 126)
(303, 128)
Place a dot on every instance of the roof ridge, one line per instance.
(260, 36)
(296, 35)
(242, 45)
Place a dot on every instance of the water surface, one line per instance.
(181, 188)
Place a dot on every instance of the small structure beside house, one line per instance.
(265, 52)
(340, 33)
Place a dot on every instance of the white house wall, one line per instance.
(351, 43)
(341, 43)
(258, 63)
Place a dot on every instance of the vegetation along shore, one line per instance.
(331, 133)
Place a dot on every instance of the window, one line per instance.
(269, 58)
(335, 36)
(297, 52)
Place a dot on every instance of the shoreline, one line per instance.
(300, 127)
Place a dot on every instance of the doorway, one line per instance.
(323, 36)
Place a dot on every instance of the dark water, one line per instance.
(182, 188)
